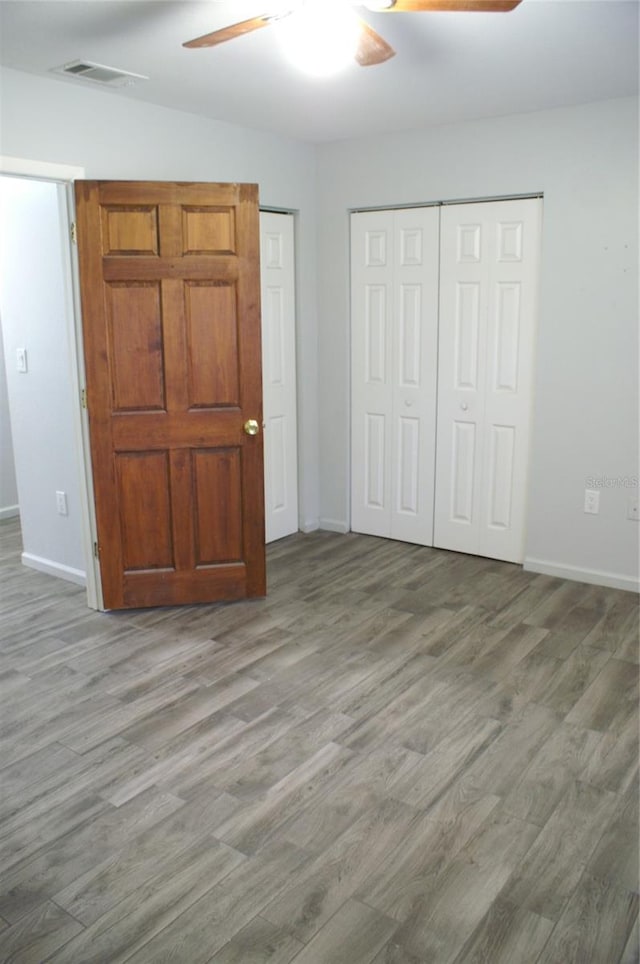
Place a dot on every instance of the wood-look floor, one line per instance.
(402, 756)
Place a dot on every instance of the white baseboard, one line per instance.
(54, 569)
(592, 576)
(334, 525)
(309, 526)
(9, 511)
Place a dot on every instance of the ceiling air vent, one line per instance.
(99, 74)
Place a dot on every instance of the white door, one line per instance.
(489, 268)
(279, 374)
(394, 312)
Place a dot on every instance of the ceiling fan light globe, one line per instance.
(321, 38)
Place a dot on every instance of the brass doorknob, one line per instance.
(251, 427)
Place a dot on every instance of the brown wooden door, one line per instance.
(170, 289)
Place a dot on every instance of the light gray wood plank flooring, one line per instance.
(401, 756)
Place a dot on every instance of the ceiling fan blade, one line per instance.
(454, 6)
(372, 48)
(235, 30)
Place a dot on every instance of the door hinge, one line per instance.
(96, 550)
(74, 233)
(83, 398)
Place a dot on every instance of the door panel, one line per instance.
(489, 267)
(212, 351)
(467, 336)
(279, 374)
(218, 480)
(394, 258)
(372, 266)
(462, 458)
(171, 322)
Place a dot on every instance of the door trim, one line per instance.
(65, 175)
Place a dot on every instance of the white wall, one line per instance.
(35, 303)
(585, 161)
(115, 138)
(8, 485)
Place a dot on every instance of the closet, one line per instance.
(443, 313)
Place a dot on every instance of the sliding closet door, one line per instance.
(277, 273)
(394, 259)
(489, 269)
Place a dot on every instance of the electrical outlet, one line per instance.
(633, 508)
(592, 501)
(61, 503)
(21, 360)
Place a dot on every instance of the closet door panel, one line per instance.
(510, 350)
(415, 346)
(371, 372)
(394, 256)
(489, 266)
(462, 334)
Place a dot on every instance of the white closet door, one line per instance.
(394, 258)
(489, 268)
(279, 374)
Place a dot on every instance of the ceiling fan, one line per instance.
(370, 48)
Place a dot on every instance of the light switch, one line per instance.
(21, 360)
(592, 501)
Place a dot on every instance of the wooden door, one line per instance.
(279, 374)
(394, 338)
(488, 285)
(170, 290)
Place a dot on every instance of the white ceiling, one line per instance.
(448, 67)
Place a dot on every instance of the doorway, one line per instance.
(61, 178)
(43, 370)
